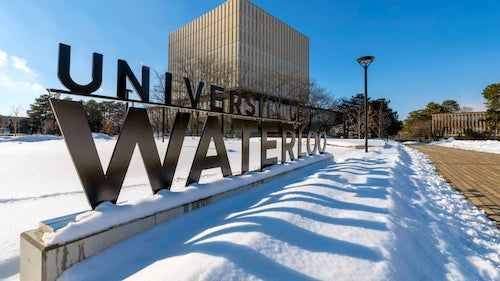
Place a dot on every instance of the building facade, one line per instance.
(239, 46)
(458, 124)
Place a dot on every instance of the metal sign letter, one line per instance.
(65, 77)
(201, 160)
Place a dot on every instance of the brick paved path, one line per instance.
(475, 174)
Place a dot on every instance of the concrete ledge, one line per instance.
(46, 263)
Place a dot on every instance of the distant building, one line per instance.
(458, 124)
(240, 46)
(4, 131)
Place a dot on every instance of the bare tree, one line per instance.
(15, 111)
(356, 113)
(209, 70)
(318, 104)
(466, 109)
(3, 124)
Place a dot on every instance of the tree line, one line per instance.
(382, 120)
(418, 125)
(103, 117)
(343, 118)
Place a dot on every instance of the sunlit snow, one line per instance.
(382, 215)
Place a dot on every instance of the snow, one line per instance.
(382, 215)
(28, 138)
(355, 143)
(491, 146)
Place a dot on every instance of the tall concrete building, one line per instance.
(240, 46)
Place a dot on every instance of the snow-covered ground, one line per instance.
(382, 215)
(491, 146)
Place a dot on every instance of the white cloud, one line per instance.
(15, 91)
(3, 57)
(20, 64)
(19, 85)
(14, 86)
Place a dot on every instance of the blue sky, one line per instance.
(425, 50)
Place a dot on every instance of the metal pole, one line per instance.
(365, 62)
(366, 108)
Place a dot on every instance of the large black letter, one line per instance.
(168, 88)
(287, 146)
(65, 77)
(250, 100)
(246, 127)
(125, 72)
(216, 99)
(299, 137)
(267, 127)
(100, 187)
(234, 105)
(201, 160)
(316, 142)
(194, 100)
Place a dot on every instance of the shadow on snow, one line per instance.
(175, 238)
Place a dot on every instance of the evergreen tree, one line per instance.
(492, 96)
(383, 121)
(113, 115)
(418, 125)
(103, 117)
(41, 117)
(450, 106)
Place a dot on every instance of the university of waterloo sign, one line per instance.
(100, 186)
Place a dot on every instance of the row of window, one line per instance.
(289, 48)
(458, 130)
(473, 116)
(255, 43)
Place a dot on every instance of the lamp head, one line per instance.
(366, 60)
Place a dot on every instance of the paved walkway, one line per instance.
(475, 174)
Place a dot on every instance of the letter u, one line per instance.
(65, 77)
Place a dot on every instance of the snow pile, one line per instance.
(491, 146)
(356, 143)
(98, 136)
(382, 215)
(39, 138)
(29, 138)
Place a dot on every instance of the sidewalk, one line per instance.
(475, 174)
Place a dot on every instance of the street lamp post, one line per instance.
(365, 62)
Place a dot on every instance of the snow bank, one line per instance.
(29, 138)
(354, 143)
(39, 138)
(490, 146)
(97, 136)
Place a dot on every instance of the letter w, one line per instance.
(100, 187)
